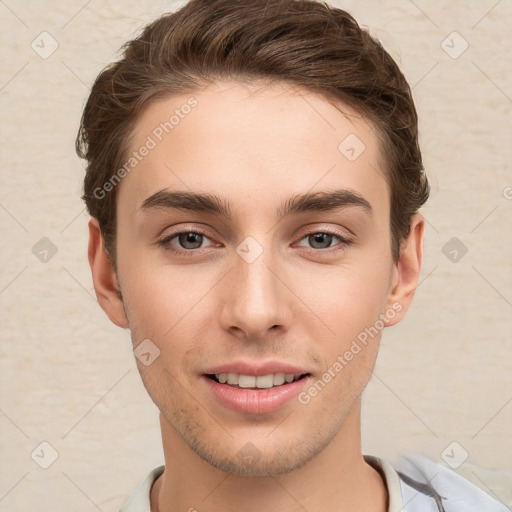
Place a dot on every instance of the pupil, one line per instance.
(186, 238)
(321, 238)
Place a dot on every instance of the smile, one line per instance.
(256, 382)
(255, 394)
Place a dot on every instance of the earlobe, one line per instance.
(406, 271)
(104, 278)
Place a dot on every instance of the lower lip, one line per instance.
(255, 401)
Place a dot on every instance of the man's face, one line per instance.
(255, 293)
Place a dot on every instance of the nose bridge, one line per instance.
(254, 300)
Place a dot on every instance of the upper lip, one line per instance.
(256, 369)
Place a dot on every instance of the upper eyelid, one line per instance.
(203, 232)
(309, 230)
(170, 236)
(343, 238)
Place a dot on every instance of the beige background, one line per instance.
(68, 377)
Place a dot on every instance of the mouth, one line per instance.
(260, 394)
(271, 380)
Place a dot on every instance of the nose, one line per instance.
(254, 299)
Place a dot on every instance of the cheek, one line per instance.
(346, 298)
(157, 296)
(172, 307)
(352, 307)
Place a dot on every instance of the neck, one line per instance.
(337, 479)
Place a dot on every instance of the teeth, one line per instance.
(263, 381)
(279, 379)
(260, 382)
(247, 381)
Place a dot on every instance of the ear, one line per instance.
(104, 277)
(406, 272)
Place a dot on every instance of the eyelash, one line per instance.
(166, 245)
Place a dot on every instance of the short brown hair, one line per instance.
(301, 42)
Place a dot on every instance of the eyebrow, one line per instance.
(323, 201)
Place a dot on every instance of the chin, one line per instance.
(254, 460)
(266, 465)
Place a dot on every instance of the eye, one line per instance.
(189, 242)
(185, 241)
(323, 240)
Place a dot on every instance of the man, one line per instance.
(254, 180)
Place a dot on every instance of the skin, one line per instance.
(256, 146)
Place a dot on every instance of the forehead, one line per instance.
(253, 144)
